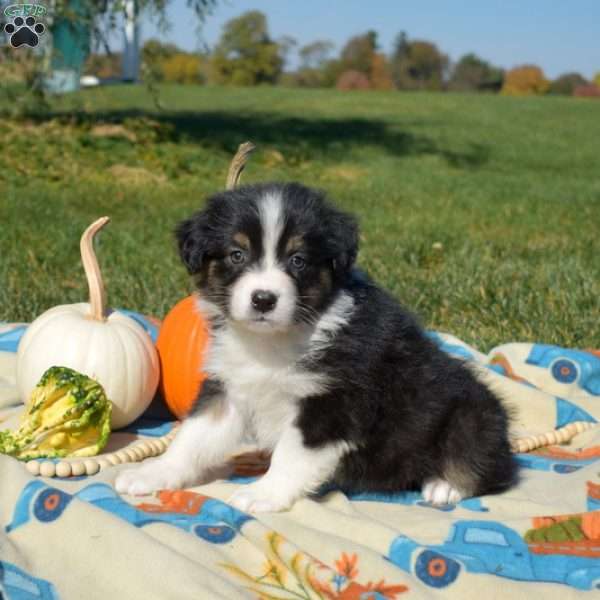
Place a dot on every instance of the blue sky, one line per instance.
(557, 35)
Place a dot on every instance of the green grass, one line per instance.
(481, 213)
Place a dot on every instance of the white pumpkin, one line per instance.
(107, 346)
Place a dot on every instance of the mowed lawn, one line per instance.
(481, 213)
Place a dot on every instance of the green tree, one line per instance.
(246, 54)
(472, 73)
(313, 62)
(566, 84)
(315, 54)
(417, 64)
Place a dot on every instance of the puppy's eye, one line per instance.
(297, 262)
(237, 257)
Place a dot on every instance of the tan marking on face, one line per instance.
(242, 240)
(326, 281)
(312, 295)
(211, 275)
(294, 244)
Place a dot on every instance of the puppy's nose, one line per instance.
(263, 300)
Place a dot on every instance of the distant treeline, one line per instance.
(247, 55)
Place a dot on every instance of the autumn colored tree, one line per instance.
(183, 67)
(472, 73)
(597, 79)
(417, 64)
(246, 54)
(526, 80)
(566, 84)
(380, 76)
(358, 53)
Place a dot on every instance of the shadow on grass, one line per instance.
(297, 138)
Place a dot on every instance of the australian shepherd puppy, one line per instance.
(313, 361)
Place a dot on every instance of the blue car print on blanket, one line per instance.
(207, 518)
(16, 584)
(568, 366)
(493, 548)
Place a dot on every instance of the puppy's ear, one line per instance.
(193, 238)
(344, 234)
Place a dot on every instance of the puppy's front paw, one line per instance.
(257, 498)
(440, 492)
(150, 477)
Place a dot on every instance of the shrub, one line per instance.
(587, 91)
(527, 80)
(566, 84)
(353, 80)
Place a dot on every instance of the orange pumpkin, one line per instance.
(181, 342)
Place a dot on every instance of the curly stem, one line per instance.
(92, 270)
(238, 163)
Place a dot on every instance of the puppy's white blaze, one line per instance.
(272, 222)
(295, 471)
(268, 275)
(332, 320)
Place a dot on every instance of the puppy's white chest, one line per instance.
(262, 380)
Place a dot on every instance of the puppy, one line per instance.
(311, 360)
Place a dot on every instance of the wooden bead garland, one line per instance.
(135, 452)
(551, 438)
(146, 448)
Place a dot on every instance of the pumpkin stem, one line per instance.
(92, 270)
(238, 163)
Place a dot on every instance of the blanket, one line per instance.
(76, 537)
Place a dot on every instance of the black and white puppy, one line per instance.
(313, 361)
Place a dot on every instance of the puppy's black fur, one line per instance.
(412, 411)
(409, 411)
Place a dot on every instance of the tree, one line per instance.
(315, 54)
(245, 54)
(381, 78)
(597, 79)
(526, 80)
(566, 84)
(417, 64)
(313, 62)
(357, 54)
(472, 73)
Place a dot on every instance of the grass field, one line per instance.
(481, 213)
